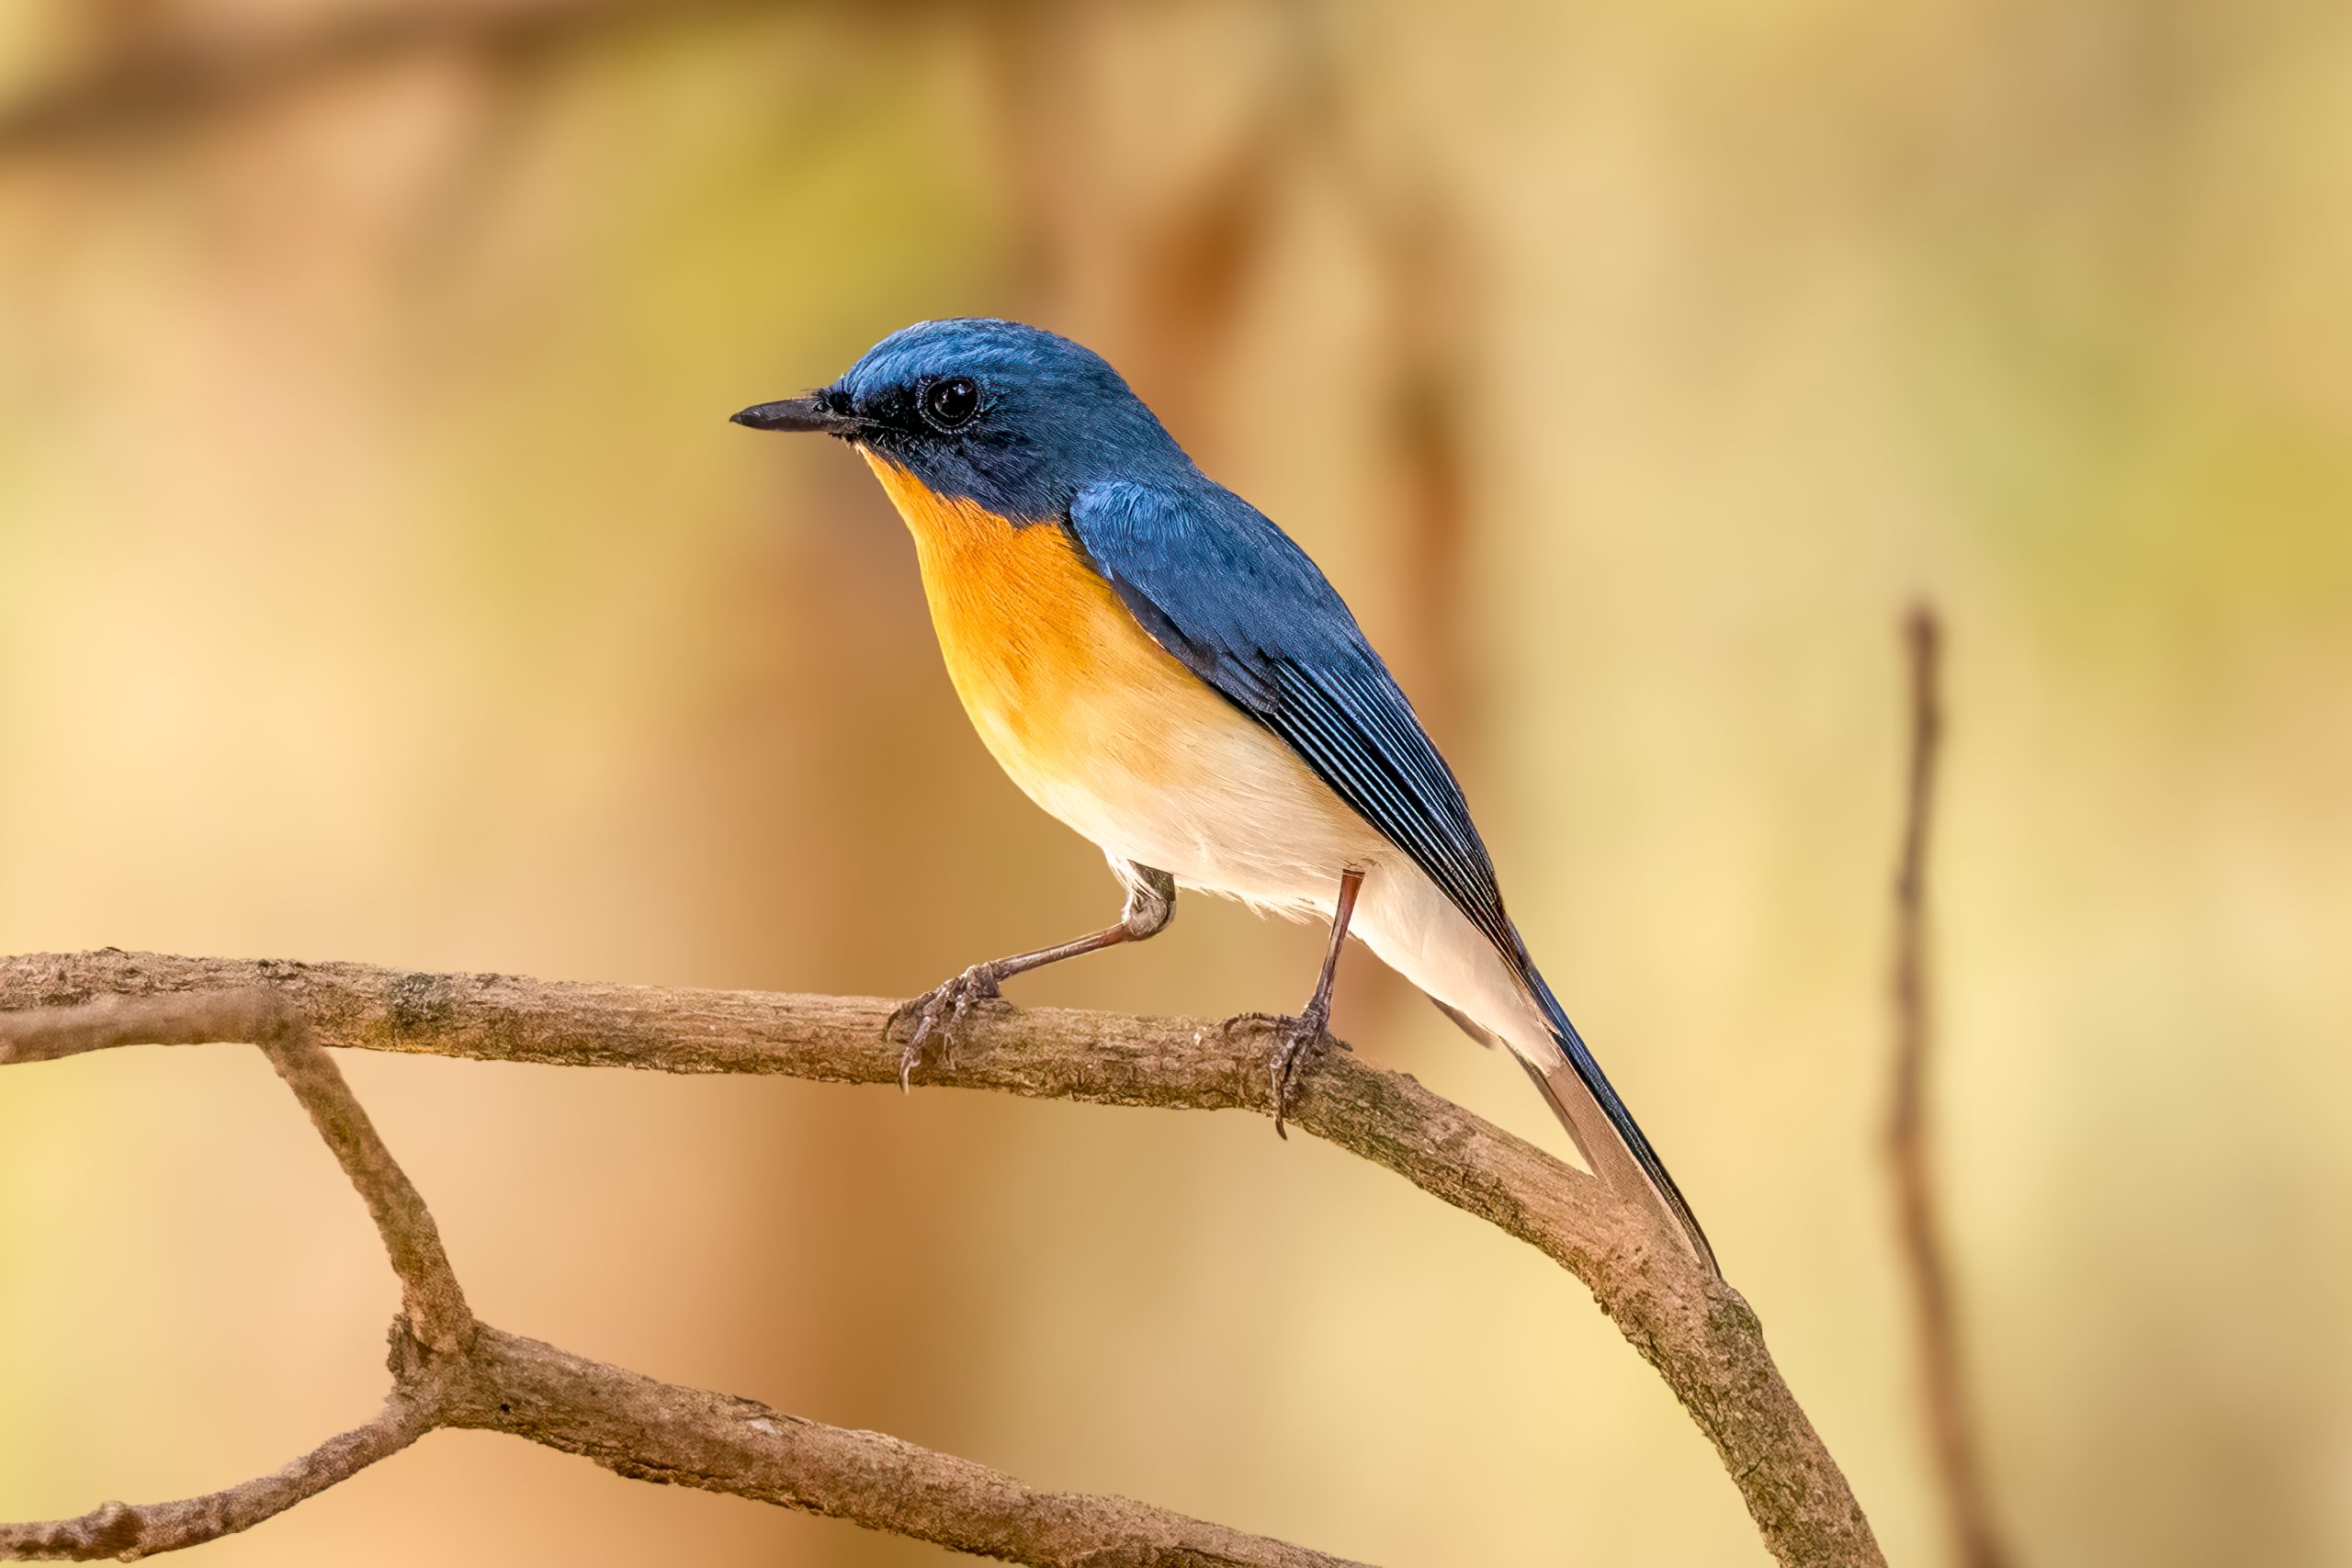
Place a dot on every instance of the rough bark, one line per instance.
(1694, 1329)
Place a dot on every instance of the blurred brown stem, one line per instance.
(1693, 1328)
(151, 70)
(1975, 1541)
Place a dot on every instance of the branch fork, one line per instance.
(449, 1369)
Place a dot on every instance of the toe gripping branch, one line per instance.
(1298, 1037)
(937, 1016)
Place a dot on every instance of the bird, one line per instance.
(1156, 664)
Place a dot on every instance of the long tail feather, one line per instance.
(1603, 1131)
(1576, 1088)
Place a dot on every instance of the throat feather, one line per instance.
(1025, 623)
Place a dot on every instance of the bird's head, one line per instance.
(1011, 418)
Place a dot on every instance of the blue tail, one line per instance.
(1593, 1082)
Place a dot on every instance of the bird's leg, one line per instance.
(1298, 1037)
(938, 1013)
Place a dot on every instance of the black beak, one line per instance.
(809, 413)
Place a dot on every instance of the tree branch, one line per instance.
(1975, 1539)
(1695, 1330)
(129, 1531)
(430, 1295)
(656, 1431)
(449, 1370)
(166, 74)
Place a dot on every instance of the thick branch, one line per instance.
(656, 1431)
(1695, 1330)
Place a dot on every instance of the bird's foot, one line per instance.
(1296, 1039)
(935, 1016)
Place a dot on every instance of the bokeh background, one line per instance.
(380, 579)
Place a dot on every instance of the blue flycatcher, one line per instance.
(1157, 665)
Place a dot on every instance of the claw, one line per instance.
(1296, 1038)
(939, 1014)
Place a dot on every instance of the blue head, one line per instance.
(1011, 418)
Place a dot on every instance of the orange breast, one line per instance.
(1058, 677)
(1108, 730)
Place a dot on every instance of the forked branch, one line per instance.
(449, 1370)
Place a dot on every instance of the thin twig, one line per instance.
(431, 1295)
(1694, 1329)
(432, 1300)
(127, 1531)
(1975, 1539)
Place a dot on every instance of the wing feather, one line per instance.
(1229, 594)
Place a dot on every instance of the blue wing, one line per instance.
(1228, 594)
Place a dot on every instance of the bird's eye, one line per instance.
(952, 402)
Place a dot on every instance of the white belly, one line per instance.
(1224, 808)
(1245, 818)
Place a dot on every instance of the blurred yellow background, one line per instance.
(380, 579)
